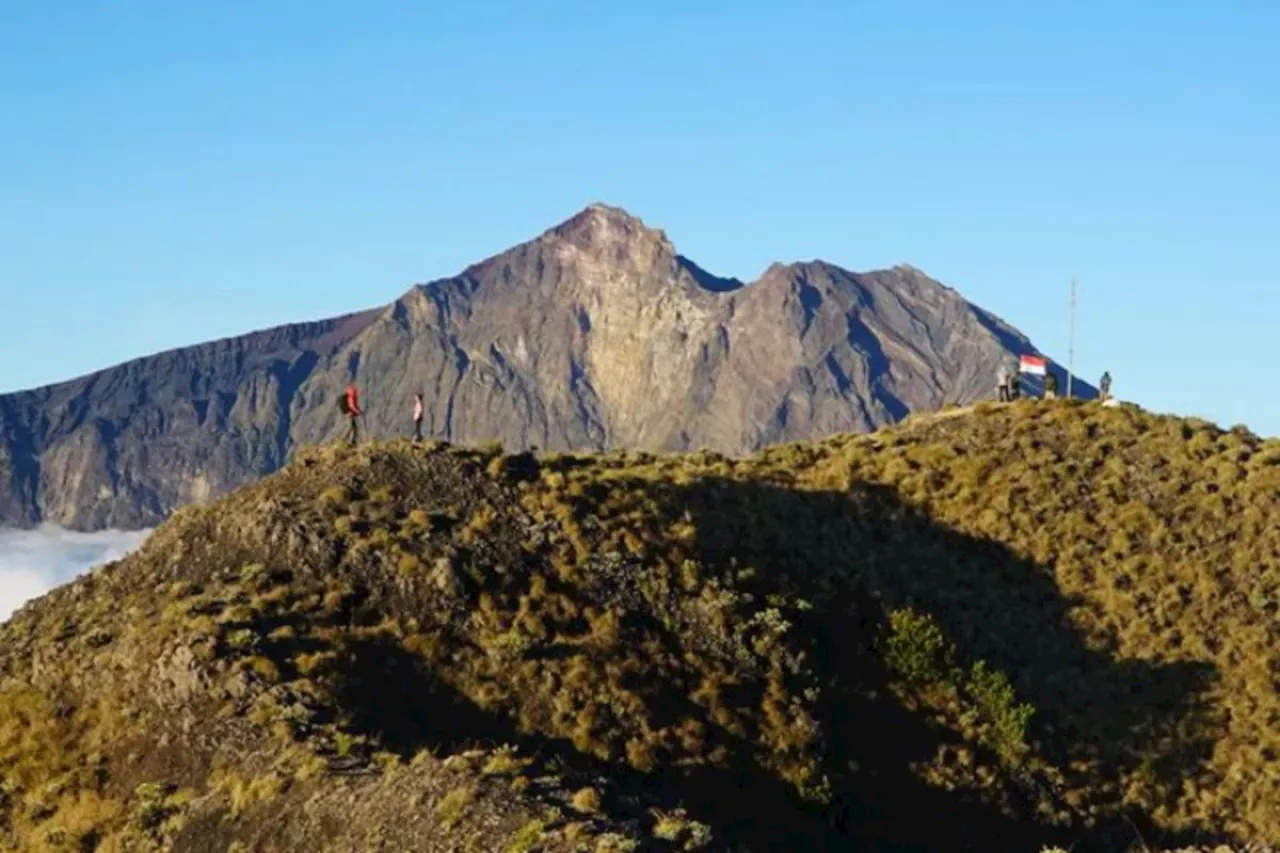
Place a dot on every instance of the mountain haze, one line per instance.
(596, 335)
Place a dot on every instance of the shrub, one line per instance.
(154, 804)
(504, 762)
(917, 651)
(992, 695)
(586, 800)
(669, 826)
(527, 837)
(612, 842)
(698, 836)
(453, 807)
(335, 495)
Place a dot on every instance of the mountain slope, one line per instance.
(124, 447)
(1026, 624)
(595, 335)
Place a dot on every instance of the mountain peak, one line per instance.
(599, 208)
(603, 226)
(593, 334)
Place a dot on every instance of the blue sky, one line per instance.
(175, 172)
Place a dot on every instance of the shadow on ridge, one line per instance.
(706, 280)
(855, 555)
(863, 552)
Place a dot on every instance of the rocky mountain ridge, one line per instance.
(595, 335)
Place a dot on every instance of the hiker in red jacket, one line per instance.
(351, 405)
(417, 417)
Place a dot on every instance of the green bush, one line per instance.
(993, 697)
(917, 651)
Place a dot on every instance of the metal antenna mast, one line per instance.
(1071, 346)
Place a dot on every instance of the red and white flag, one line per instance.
(1034, 364)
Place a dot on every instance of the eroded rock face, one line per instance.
(597, 334)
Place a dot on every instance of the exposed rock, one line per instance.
(445, 578)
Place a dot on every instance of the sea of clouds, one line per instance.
(32, 562)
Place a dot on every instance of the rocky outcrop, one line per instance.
(597, 334)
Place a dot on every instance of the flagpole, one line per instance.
(1071, 345)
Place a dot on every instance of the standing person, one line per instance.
(417, 417)
(1104, 387)
(1002, 383)
(351, 405)
(1050, 385)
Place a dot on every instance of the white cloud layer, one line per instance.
(32, 562)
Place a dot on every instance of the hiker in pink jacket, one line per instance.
(417, 417)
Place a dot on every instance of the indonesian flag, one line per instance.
(1034, 364)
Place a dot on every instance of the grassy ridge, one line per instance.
(1029, 624)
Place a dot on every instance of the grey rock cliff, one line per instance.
(597, 334)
